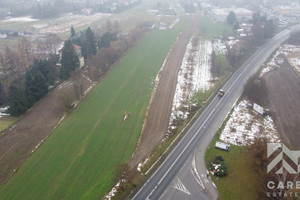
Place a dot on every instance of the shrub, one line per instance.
(219, 167)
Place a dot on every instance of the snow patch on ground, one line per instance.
(291, 53)
(174, 23)
(273, 63)
(19, 19)
(295, 62)
(246, 125)
(194, 75)
(91, 86)
(3, 111)
(266, 70)
(114, 190)
(232, 42)
(63, 24)
(140, 165)
(219, 47)
(202, 76)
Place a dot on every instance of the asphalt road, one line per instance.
(201, 132)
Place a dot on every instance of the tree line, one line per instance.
(28, 76)
(110, 53)
(33, 85)
(38, 77)
(15, 62)
(91, 42)
(29, 70)
(237, 54)
(86, 40)
(262, 30)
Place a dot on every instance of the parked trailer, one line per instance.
(222, 146)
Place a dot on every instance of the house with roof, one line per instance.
(78, 52)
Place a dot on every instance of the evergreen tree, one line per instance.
(87, 41)
(91, 47)
(214, 69)
(73, 33)
(36, 85)
(108, 26)
(45, 67)
(69, 60)
(17, 101)
(231, 18)
(105, 40)
(269, 29)
(258, 33)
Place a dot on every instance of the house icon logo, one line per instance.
(279, 159)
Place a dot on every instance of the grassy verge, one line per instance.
(79, 160)
(210, 29)
(222, 63)
(240, 183)
(6, 122)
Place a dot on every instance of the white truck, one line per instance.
(222, 146)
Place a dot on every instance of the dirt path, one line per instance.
(283, 96)
(33, 127)
(156, 124)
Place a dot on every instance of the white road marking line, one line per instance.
(214, 185)
(177, 184)
(196, 175)
(180, 152)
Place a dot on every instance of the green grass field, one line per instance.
(6, 122)
(210, 29)
(79, 160)
(240, 183)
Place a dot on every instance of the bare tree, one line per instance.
(78, 84)
(116, 27)
(52, 43)
(13, 62)
(108, 26)
(259, 160)
(95, 73)
(46, 48)
(25, 50)
(4, 66)
(65, 97)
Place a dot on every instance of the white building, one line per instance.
(3, 36)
